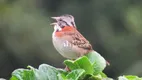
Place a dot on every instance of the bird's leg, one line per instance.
(67, 68)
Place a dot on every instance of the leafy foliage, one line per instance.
(129, 77)
(89, 67)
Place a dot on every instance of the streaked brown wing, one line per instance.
(77, 39)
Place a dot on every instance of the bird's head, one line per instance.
(63, 21)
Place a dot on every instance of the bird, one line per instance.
(67, 40)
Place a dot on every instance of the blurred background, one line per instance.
(113, 27)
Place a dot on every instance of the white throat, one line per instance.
(57, 27)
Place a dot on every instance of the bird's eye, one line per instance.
(72, 24)
(70, 16)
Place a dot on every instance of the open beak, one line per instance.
(53, 24)
(55, 18)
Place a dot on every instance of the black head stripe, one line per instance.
(73, 24)
(63, 23)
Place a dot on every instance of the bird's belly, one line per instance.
(64, 48)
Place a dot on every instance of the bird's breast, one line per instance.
(64, 47)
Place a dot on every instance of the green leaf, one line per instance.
(13, 78)
(129, 77)
(85, 64)
(103, 75)
(44, 72)
(47, 72)
(62, 74)
(75, 74)
(62, 71)
(98, 62)
(86, 77)
(107, 79)
(71, 64)
(23, 74)
(80, 63)
(96, 77)
(62, 77)
(122, 78)
(92, 77)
